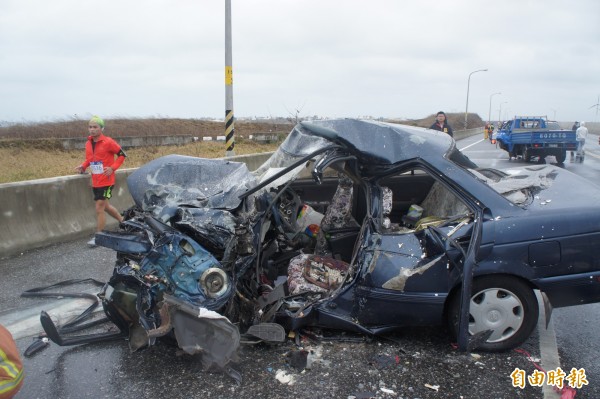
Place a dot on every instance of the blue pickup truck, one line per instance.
(529, 137)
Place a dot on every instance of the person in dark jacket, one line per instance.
(441, 124)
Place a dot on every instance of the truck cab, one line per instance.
(530, 137)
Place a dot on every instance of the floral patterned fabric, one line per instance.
(338, 214)
(315, 273)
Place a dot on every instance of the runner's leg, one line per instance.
(112, 211)
(100, 217)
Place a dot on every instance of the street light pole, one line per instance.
(468, 84)
(500, 111)
(490, 110)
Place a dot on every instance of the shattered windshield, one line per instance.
(296, 146)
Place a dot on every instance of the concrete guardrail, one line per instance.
(144, 141)
(37, 213)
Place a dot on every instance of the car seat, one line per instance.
(338, 221)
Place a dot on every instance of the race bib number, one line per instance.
(97, 168)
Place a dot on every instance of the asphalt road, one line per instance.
(417, 363)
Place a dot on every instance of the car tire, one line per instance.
(503, 304)
(561, 156)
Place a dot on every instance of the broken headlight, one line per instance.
(214, 282)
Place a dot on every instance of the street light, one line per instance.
(500, 111)
(554, 117)
(468, 84)
(490, 110)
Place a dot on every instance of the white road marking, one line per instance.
(26, 323)
(548, 349)
(471, 145)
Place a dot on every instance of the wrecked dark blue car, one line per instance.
(350, 225)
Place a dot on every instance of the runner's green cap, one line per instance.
(98, 120)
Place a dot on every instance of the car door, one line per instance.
(407, 270)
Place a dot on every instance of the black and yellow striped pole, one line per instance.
(229, 119)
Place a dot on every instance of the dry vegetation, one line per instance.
(30, 151)
(456, 120)
(19, 164)
(140, 127)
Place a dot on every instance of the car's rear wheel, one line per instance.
(505, 305)
(561, 156)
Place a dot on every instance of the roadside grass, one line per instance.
(30, 151)
(135, 127)
(20, 163)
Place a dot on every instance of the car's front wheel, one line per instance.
(505, 305)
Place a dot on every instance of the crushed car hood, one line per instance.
(176, 180)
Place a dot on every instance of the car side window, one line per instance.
(414, 201)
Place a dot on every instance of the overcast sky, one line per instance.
(61, 59)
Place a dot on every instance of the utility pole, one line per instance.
(229, 119)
